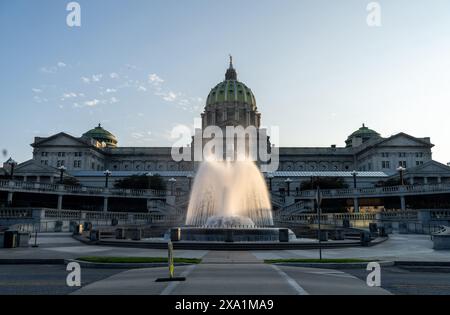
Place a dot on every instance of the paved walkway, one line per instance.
(233, 273)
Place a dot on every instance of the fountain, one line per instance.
(234, 190)
(229, 202)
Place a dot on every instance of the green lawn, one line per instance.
(314, 260)
(141, 260)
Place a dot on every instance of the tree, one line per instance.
(141, 182)
(388, 183)
(71, 181)
(324, 183)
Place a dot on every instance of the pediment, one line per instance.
(403, 139)
(32, 166)
(431, 167)
(60, 139)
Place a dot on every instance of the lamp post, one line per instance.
(354, 174)
(401, 170)
(61, 169)
(190, 176)
(172, 182)
(288, 181)
(12, 164)
(107, 174)
(270, 176)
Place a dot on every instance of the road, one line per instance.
(224, 272)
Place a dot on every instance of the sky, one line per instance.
(143, 67)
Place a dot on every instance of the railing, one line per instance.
(296, 207)
(9, 185)
(16, 213)
(277, 199)
(85, 190)
(361, 192)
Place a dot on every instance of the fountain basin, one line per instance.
(232, 234)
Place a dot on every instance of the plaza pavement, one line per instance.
(233, 273)
(398, 247)
(224, 272)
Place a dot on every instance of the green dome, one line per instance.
(102, 135)
(364, 133)
(231, 90)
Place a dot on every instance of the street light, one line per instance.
(288, 181)
(107, 174)
(401, 170)
(12, 164)
(172, 181)
(61, 169)
(270, 176)
(190, 177)
(354, 174)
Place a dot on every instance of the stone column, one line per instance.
(425, 180)
(105, 204)
(356, 204)
(60, 199)
(439, 179)
(403, 203)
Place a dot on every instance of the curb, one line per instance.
(27, 261)
(336, 265)
(86, 264)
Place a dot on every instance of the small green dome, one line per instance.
(364, 133)
(231, 90)
(102, 135)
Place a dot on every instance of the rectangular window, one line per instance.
(385, 164)
(419, 163)
(402, 164)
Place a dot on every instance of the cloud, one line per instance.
(169, 97)
(137, 135)
(110, 90)
(69, 95)
(39, 99)
(114, 75)
(142, 88)
(155, 79)
(52, 69)
(93, 78)
(61, 64)
(36, 90)
(97, 77)
(113, 100)
(92, 103)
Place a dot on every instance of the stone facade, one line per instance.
(232, 103)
